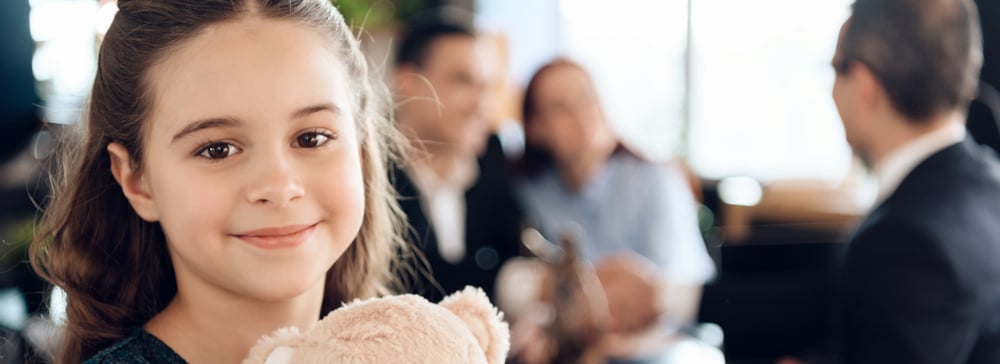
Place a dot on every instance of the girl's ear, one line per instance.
(132, 182)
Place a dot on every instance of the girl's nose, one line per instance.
(274, 182)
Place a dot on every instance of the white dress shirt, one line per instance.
(443, 201)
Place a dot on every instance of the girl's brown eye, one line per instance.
(312, 139)
(218, 150)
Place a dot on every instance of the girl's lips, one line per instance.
(278, 237)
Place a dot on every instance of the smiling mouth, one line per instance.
(278, 237)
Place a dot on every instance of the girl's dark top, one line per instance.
(140, 347)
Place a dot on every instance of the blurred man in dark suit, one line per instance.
(922, 273)
(454, 189)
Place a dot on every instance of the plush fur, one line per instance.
(464, 328)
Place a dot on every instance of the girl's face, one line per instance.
(568, 121)
(252, 164)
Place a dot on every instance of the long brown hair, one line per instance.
(114, 266)
(535, 159)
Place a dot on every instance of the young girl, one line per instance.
(232, 181)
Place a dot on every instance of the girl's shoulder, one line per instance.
(140, 347)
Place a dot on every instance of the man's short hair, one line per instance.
(927, 54)
(426, 28)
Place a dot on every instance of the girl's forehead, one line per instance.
(248, 68)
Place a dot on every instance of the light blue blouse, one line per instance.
(631, 205)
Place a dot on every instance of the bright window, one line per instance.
(635, 50)
(67, 33)
(759, 102)
(761, 85)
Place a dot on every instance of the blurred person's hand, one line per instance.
(624, 324)
(529, 341)
(633, 288)
(554, 329)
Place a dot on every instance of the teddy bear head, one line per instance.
(464, 328)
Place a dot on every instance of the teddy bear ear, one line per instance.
(483, 320)
(277, 348)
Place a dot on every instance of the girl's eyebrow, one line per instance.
(205, 124)
(225, 122)
(309, 110)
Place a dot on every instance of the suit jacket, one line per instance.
(983, 118)
(492, 230)
(922, 273)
